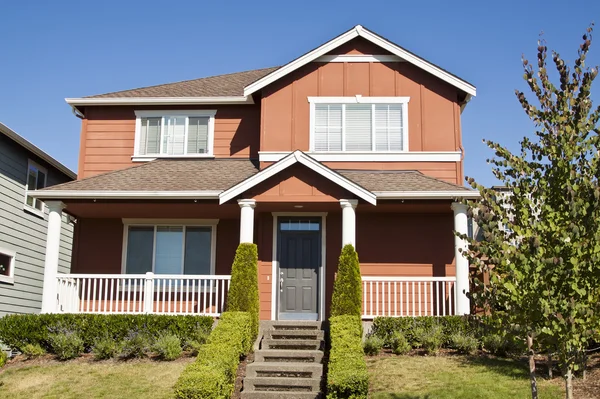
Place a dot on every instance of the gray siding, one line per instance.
(24, 232)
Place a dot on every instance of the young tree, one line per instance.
(541, 238)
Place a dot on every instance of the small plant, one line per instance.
(66, 344)
(135, 345)
(168, 347)
(372, 345)
(33, 350)
(496, 344)
(106, 348)
(3, 358)
(194, 341)
(399, 344)
(463, 343)
(431, 339)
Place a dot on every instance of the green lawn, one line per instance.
(446, 377)
(89, 379)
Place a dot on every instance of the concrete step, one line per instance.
(281, 395)
(284, 370)
(287, 355)
(282, 384)
(295, 344)
(293, 334)
(290, 325)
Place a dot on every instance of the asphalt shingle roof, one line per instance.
(398, 180)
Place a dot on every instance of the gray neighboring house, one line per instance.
(24, 222)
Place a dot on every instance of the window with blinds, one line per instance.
(173, 135)
(359, 127)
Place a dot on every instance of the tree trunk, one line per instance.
(583, 365)
(569, 383)
(550, 376)
(534, 390)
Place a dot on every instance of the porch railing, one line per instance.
(142, 293)
(408, 296)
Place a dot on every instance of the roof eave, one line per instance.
(86, 101)
(465, 194)
(123, 195)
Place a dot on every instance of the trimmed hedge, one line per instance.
(347, 376)
(213, 374)
(243, 291)
(16, 331)
(347, 287)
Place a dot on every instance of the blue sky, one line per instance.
(58, 49)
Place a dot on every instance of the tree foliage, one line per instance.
(347, 288)
(541, 237)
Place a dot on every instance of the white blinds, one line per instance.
(171, 135)
(359, 127)
(197, 141)
(174, 135)
(150, 136)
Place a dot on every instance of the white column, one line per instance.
(348, 221)
(462, 264)
(247, 220)
(50, 289)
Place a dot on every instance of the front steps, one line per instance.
(288, 364)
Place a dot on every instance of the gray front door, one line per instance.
(299, 256)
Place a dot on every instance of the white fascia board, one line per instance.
(77, 194)
(358, 99)
(415, 156)
(289, 160)
(77, 102)
(346, 37)
(427, 194)
(359, 58)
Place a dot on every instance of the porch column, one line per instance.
(462, 264)
(348, 221)
(247, 220)
(50, 290)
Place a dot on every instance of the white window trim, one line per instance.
(31, 209)
(212, 223)
(210, 114)
(378, 156)
(10, 279)
(358, 99)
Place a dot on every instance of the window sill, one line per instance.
(144, 158)
(7, 280)
(34, 211)
(396, 156)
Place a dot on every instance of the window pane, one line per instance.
(139, 249)
(197, 136)
(150, 136)
(5, 261)
(328, 127)
(169, 250)
(41, 180)
(299, 225)
(174, 135)
(197, 250)
(32, 178)
(358, 127)
(396, 124)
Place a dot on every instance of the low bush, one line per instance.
(347, 376)
(213, 374)
(106, 348)
(399, 344)
(463, 343)
(167, 347)
(430, 338)
(33, 350)
(3, 358)
(372, 345)
(66, 344)
(136, 345)
(194, 341)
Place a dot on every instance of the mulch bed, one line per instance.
(241, 373)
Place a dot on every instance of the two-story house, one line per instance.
(355, 142)
(23, 222)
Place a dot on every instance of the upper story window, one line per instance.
(174, 133)
(359, 124)
(36, 179)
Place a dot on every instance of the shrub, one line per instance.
(106, 348)
(498, 344)
(213, 374)
(372, 345)
(347, 376)
(3, 358)
(431, 339)
(168, 347)
(33, 350)
(243, 291)
(464, 343)
(194, 341)
(399, 344)
(347, 287)
(136, 345)
(66, 344)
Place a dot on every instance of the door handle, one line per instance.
(281, 285)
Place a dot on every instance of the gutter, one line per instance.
(470, 194)
(124, 195)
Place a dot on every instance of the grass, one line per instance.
(90, 379)
(446, 377)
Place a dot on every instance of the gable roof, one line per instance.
(20, 140)
(360, 31)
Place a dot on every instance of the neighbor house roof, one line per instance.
(14, 136)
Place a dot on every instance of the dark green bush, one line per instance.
(65, 344)
(16, 331)
(33, 350)
(347, 287)
(243, 291)
(213, 374)
(3, 358)
(136, 345)
(399, 344)
(463, 343)
(430, 338)
(372, 345)
(347, 376)
(167, 346)
(194, 341)
(106, 348)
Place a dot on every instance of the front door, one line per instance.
(299, 256)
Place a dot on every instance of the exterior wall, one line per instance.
(24, 232)
(108, 135)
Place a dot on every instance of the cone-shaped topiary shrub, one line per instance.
(347, 288)
(243, 291)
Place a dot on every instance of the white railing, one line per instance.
(142, 293)
(408, 296)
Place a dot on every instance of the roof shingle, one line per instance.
(398, 180)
